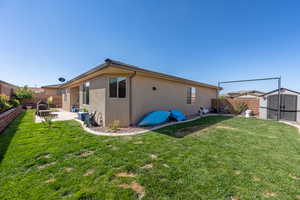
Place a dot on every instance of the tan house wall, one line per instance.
(97, 96)
(66, 103)
(168, 95)
(118, 108)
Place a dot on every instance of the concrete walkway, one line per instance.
(60, 116)
(295, 124)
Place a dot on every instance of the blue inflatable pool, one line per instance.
(177, 115)
(155, 118)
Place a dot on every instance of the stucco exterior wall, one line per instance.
(168, 95)
(118, 108)
(66, 103)
(97, 96)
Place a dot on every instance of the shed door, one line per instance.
(272, 106)
(289, 107)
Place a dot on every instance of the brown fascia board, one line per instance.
(113, 63)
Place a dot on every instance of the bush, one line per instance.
(240, 108)
(115, 125)
(23, 93)
(47, 120)
(4, 103)
(14, 102)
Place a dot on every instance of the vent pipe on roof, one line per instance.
(107, 60)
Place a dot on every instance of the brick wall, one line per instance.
(230, 103)
(8, 116)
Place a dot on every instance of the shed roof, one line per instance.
(281, 90)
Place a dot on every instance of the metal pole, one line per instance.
(279, 99)
(218, 94)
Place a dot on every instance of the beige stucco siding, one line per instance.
(205, 95)
(97, 96)
(118, 108)
(168, 95)
(66, 105)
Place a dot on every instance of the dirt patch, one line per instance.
(140, 190)
(235, 198)
(270, 194)
(153, 156)
(45, 156)
(89, 172)
(68, 169)
(165, 165)
(297, 196)
(51, 180)
(226, 127)
(237, 172)
(46, 165)
(87, 153)
(294, 177)
(138, 142)
(124, 174)
(115, 148)
(148, 166)
(189, 130)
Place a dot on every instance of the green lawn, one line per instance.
(211, 158)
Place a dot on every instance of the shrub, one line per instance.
(4, 103)
(14, 102)
(240, 108)
(115, 125)
(23, 93)
(47, 120)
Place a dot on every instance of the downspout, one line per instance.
(130, 98)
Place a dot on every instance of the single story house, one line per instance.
(289, 105)
(126, 93)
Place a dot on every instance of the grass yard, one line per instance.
(211, 158)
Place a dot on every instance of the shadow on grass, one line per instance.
(185, 129)
(7, 135)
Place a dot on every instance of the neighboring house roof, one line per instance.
(36, 90)
(235, 94)
(55, 86)
(6, 83)
(113, 63)
(281, 90)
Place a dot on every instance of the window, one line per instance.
(117, 87)
(86, 93)
(191, 95)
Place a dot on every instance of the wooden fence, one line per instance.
(229, 104)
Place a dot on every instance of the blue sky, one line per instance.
(207, 41)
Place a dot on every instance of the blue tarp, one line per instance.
(155, 118)
(177, 115)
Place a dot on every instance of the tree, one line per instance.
(23, 93)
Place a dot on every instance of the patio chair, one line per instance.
(42, 109)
